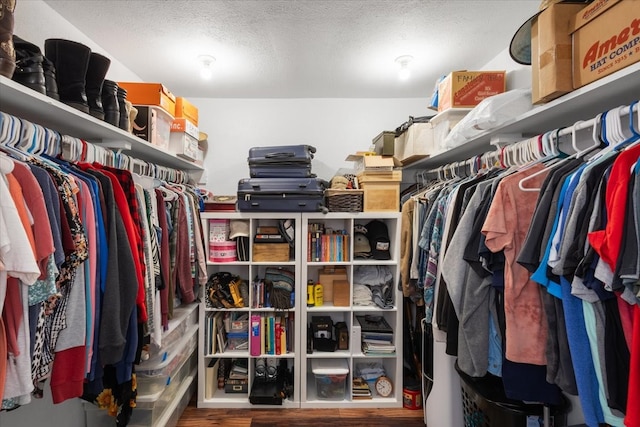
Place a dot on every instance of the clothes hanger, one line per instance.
(553, 154)
(632, 128)
(634, 136)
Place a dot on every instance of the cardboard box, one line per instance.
(153, 124)
(150, 94)
(384, 142)
(415, 143)
(381, 196)
(187, 110)
(183, 141)
(341, 291)
(365, 162)
(605, 39)
(462, 89)
(551, 52)
(327, 278)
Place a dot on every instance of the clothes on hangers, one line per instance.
(541, 288)
(89, 276)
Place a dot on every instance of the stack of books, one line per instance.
(327, 245)
(360, 389)
(271, 333)
(238, 379)
(377, 335)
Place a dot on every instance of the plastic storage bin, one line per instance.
(331, 378)
(154, 377)
(184, 317)
(150, 409)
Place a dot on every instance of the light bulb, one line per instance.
(206, 66)
(206, 73)
(404, 72)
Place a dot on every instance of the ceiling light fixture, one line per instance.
(404, 72)
(206, 66)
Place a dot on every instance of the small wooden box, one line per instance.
(341, 293)
(270, 252)
(327, 278)
(381, 196)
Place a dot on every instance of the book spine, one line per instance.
(283, 337)
(278, 336)
(255, 335)
(272, 335)
(263, 335)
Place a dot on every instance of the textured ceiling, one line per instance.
(298, 48)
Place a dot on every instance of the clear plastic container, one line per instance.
(183, 318)
(149, 409)
(331, 378)
(154, 377)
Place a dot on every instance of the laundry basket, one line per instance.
(485, 405)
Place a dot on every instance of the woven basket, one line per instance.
(344, 200)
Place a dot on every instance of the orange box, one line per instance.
(465, 89)
(606, 38)
(150, 94)
(186, 109)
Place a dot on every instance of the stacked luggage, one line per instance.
(281, 181)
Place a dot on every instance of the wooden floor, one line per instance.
(194, 417)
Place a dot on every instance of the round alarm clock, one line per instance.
(384, 386)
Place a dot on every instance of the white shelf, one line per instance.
(248, 270)
(25, 103)
(620, 88)
(393, 363)
(338, 354)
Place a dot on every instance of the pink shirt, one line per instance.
(505, 229)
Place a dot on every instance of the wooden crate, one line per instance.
(270, 252)
(381, 196)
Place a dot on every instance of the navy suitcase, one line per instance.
(281, 161)
(281, 195)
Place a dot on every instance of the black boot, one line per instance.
(110, 103)
(7, 53)
(71, 60)
(98, 67)
(124, 112)
(50, 79)
(29, 71)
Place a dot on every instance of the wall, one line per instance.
(518, 76)
(36, 21)
(336, 127)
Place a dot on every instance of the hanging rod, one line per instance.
(623, 110)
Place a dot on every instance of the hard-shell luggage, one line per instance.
(281, 195)
(283, 161)
(281, 171)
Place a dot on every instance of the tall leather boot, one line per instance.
(7, 53)
(110, 103)
(50, 82)
(97, 70)
(124, 112)
(71, 60)
(29, 71)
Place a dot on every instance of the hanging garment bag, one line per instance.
(281, 161)
(281, 195)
